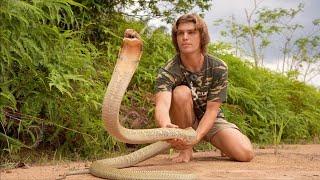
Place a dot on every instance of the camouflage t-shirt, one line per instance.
(210, 84)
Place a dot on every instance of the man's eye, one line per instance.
(180, 33)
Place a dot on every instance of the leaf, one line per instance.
(7, 95)
(316, 22)
(13, 141)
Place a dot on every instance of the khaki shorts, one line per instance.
(218, 125)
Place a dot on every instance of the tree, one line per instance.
(260, 26)
(99, 16)
(167, 9)
(281, 20)
(306, 58)
(235, 32)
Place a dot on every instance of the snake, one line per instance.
(116, 168)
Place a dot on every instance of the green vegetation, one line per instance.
(56, 58)
(269, 107)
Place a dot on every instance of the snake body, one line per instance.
(126, 65)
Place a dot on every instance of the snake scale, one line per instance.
(125, 67)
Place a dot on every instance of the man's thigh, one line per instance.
(219, 124)
(181, 108)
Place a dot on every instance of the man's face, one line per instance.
(188, 38)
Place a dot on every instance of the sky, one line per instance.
(223, 9)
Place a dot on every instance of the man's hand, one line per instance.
(180, 144)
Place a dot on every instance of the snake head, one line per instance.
(130, 33)
(132, 38)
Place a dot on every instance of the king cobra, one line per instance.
(125, 67)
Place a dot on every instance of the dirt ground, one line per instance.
(291, 162)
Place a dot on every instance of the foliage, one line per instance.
(50, 93)
(269, 107)
(166, 10)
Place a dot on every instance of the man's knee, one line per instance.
(246, 154)
(182, 95)
(236, 145)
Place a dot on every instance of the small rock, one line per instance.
(22, 165)
(8, 171)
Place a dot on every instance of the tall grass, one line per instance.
(269, 107)
(50, 91)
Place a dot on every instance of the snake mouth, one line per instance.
(134, 43)
(131, 36)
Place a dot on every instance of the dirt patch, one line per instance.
(291, 162)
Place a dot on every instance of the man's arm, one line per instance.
(204, 126)
(163, 103)
(208, 119)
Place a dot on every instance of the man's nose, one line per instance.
(185, 36)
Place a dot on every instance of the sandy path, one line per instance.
(292, 162)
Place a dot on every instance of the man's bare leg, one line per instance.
(234, 144)
(182, 114)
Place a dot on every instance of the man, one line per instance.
(190, 90)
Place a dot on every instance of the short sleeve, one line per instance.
(164, 81)
(218, 89)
